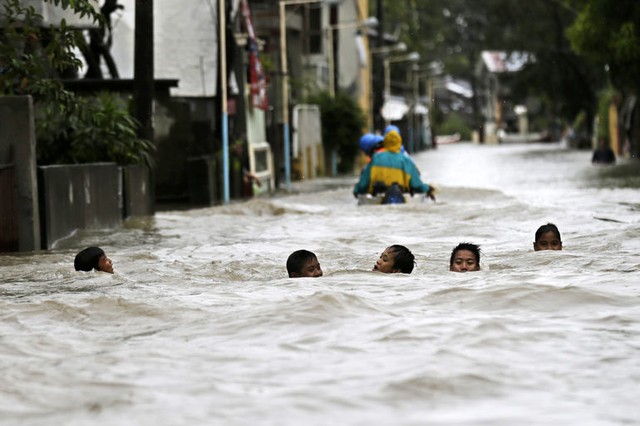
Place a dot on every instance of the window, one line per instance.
(315, 30)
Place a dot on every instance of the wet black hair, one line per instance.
(403, 259)
(297, 259)
(549, 227)
(88, 259)
(473, 248)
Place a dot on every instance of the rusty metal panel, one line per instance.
(9, 235)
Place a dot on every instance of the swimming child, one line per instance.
(547, 238)
(465, 257)
(93, 258)
(303, 263)
(395, 258)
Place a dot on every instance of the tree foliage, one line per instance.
(69, 129)
(32, 56)
(452, 34)
(609, 35)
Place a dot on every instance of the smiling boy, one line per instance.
(395, 258)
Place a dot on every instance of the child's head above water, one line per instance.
(547, 238)
(395, 258)
(465, 257)
(303, 263)
(93, 258)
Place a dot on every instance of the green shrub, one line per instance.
(342, 124)
(454, 123)
(100, 129)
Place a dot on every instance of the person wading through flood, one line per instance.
(390, 168)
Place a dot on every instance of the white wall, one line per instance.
(53, 14)
(122, 49)
(348, 55)
(185, 43)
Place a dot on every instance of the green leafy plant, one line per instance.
(33, 55)
(69, 128)
(453, 123)
(101, 130)
(342, 124)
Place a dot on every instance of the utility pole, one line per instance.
(222, 95)
(240, 69)
(143, 79)
(377, 64)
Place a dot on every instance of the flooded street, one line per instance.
(200, 324)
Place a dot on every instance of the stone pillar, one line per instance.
(18, 146)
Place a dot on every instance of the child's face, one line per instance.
(105, 264)
(386, 262)
(464, 261)
(548, 241)
(311, 268)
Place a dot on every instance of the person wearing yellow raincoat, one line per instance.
(389, 167)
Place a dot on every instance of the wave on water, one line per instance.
(256, 207)
(319, 307)
(96, 309)
(322, 305)
(200, 323)
(443, 384)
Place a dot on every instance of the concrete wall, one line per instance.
(348, 57)
(137, 197)
(85, 196)
(18, 146)
(307, 141)
(89, 196)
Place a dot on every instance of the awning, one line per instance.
(459, 87)
(394, 109)
(420, 109)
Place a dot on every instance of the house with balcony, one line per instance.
(186, 49)
(505, 118)
(325, 50)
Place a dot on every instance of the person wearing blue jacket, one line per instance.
(389, 167)
(370, 143)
